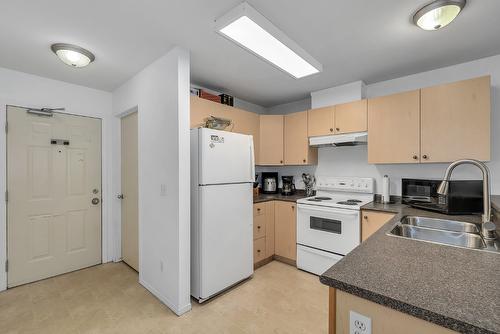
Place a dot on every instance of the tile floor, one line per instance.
(108, 299)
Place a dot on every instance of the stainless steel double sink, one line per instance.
(443, 231)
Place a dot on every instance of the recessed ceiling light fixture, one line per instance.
(438, 14)
(72, 55)
(252, 31)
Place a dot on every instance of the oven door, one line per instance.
(330, 229)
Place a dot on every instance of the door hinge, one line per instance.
(6, 195)
(6, 127)
(6, 266)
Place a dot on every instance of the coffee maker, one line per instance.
(287, 187)
(269, 183)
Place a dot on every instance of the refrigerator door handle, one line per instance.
(252, 160)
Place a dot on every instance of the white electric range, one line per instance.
(328, 224)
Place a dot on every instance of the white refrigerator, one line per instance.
(222, 175)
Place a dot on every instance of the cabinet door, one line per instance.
(285, 230)
(270, 229)
(371, 221)
(271, 140)
(320, 121)
(351, 117)
(297, 150)
(456, 121)
(394, 128)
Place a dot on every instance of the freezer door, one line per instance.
(225, 157)
(226, 224)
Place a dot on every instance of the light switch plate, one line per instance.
(359, 324)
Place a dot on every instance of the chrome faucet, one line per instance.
(488, 229)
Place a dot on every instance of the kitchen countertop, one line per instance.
(495, 202)
(452, 287)
(278, 197)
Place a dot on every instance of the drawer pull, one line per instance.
(365, 217)
(258, 209)
(258, 250)
(258, 226)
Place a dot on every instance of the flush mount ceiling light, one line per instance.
(72, 55)
(252, 31)
(438, 14)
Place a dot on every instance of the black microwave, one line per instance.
(464, 196)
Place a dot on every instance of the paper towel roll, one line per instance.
(386, 197)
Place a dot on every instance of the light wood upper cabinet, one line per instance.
(371, 221)
(320, 121)
(271, 140)
(394, 128)
(297, 150)
(455, 121)
(285, 230)
(243, 121)
(351, 117)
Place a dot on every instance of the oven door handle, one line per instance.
(329, 210)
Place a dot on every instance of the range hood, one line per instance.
(347, 139)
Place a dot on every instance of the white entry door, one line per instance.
(130, 205)
(54, 194)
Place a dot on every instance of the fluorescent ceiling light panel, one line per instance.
(249, 29)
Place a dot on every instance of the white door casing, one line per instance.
(52, 225)
(129, 186)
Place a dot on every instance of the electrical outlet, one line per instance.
(359, 324)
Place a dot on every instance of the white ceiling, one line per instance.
(353, 39)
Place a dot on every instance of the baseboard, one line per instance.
(179, 310)
(262, 262)
(285, 260)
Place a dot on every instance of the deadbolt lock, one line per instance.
(95, 200)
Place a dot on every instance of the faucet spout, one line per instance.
(487, 227)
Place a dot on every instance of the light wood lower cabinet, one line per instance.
(371, 221)
(263, 231)
(383, 319)
(285, 230)
(274, 232)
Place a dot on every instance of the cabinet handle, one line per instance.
(258, 227)
(258, 250)
(258, 209)
(331, 129)
(304, 160)
(365, 217)
(415, 157)
(338, 129)
(425, 156)
(281, 161)
(293, 207)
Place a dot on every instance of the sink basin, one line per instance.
(460, 239)
(440, 224)
(444, 232)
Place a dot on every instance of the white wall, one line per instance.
(352, 161)
(160, 93)
(286, 108)
(340, 94)
(28, 90)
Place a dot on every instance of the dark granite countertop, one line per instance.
(278, 197)
(452, 287)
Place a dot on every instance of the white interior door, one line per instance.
(130, 205)
(226, 223)
(54, 194)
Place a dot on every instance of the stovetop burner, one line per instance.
(354, 200)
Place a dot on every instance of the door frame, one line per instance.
(107, 238)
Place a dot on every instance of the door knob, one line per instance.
(95, 200)
(120, 196)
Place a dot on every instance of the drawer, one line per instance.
(259, 209)
(259, 226)
(259, 250)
